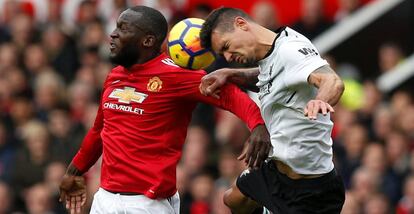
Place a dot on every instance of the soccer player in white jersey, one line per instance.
(297, 90)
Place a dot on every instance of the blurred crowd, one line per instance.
(54, 59)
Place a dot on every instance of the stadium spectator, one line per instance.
(34, 158)
(374, 159)
(48, 93)
(349, 151)
(39, 200)
(66, 134)
(230, 130)
(22, 31)
(312, 22)
(80, 96)
(61, 51)
(6, 198)
(8, 56)
(21, 112)
(382, 122)
(201, 189)
(53, 175)
(377, 204)
(195, 150)
(406, 123)
(406, 203)
(35, 60)
(364, 183)
(200, 11)
(54, 8)
(263, 12)
(228, 166)
(398, 153)
(346, 8)
(389, 55)
(7, 154)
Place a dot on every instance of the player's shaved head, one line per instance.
(151, 21)
(222, 20)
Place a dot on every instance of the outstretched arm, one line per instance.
(244, 77)
(330, 88)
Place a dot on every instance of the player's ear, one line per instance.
(241, 23)
(149, 41)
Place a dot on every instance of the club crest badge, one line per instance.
(154, 84)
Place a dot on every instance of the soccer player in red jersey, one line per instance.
(142, 121)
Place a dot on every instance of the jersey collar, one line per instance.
(278, 31)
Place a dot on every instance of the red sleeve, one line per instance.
(231, 99)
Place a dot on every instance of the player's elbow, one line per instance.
(339, 86)
(338, 89)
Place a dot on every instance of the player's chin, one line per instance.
(249, 61)
(113, 55)
(113, 52)
(114, 58)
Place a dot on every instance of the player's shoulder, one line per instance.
(297, 49)
(116, 70)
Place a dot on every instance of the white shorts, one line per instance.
(107, 202)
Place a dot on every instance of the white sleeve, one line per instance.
(300, 58)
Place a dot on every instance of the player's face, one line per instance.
(235, 46)
(125, 39)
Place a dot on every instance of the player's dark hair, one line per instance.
(221, 19)
(153, 22)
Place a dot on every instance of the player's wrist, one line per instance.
(228, 73)
(73, 171)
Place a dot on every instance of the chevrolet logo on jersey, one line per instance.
(127, 95)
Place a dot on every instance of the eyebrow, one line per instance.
(121, 22)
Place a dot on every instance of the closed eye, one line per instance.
(225, 47)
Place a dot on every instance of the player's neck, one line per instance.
(264, 38)
(144, 58)
(149, 56)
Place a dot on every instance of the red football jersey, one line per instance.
(142, 121)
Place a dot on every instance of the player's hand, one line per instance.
(211, 83)
(258, 147)
(73, 193)
(317, 106)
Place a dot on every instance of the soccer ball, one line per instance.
(184, 45)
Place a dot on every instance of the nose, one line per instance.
(227, 56)
(114, 34)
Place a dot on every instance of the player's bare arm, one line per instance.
(330, 88)
(245, 78)
(73, 190)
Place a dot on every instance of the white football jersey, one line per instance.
(303, 144)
